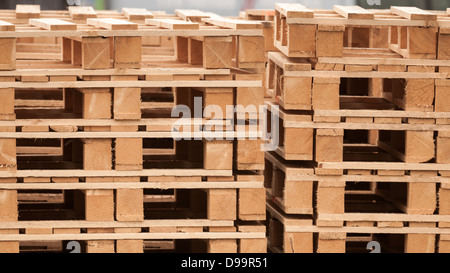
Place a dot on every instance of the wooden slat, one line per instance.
(116, 224)
(82, 12)
(86, 173)
(172, 24)
(233, 24)
(137, 14)
(353, 12)
(260, 12)
(192, 15)
(133, 236)
(128, 185)
(112, 24)
(6, 26)
(53, 24)
(294, 10)
(413, 13)
(28, 11)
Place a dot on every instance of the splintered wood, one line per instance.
(96, 91)
(363, 129)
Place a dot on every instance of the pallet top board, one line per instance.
(28, 11)
(192, 15)
(53, 24)
(128, 185)
(117, 224)
(172, 24)
(413, 13)
(232, 23)
(289, 64)
(134, 236)
(353, 12)
(396, 16)
(137, 14)
(112, 24)
(260, 12)
(294, 10)
(6, 26)
(82, 12)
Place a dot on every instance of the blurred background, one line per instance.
(224, 7)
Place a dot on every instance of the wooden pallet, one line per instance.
(214, 42)
(402, 29)
(395, 233)
(386, 138)
(302, 188)
(148, 236)
(98, 210)
(398, 85)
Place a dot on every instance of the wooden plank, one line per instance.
(133, 33)
(353, 12)
(369, 230)
(28, 11)
(82, 12)
(86, 173)
(386, 217)
(384, 166)
(294, 10)
(413, 13)
(233, 24)
(6, 26)
(172, 24)
(112, 24)
(192, 15)
(109, 84)
(129, 185)
(133, 236)
(137, 14)
(115, 72)
(53, 24)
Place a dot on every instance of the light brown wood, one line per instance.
(172, 24)
(137, 14)
(28, 11)
(112, 24)
(53, 24)
(353, 12)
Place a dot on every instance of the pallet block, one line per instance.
(127, 101)
(251, 52)
(8, 53)
(127, 52)
(443, 43)
(218, 155)
(330, 41)
(95, 53)
(281, 240)
(291, 196)
(252, 245)
(331, 243)
(329, 145)
(217, 52)
(129, 246)
(221, 204)
(420, 243)
(251, 204)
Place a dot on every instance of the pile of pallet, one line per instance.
(364, 131)
(87, 148)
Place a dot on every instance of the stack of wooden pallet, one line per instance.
(87, 149)
(364, 130)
